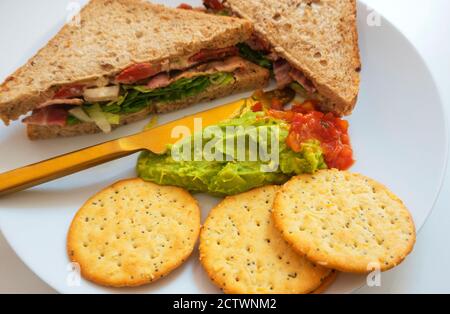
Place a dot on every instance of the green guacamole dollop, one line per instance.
(233, 174)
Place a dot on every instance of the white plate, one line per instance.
(398, 133)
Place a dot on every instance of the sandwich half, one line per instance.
(311, 45)
(122, 60)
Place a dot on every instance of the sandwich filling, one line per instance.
(261, 52)
(137, 88)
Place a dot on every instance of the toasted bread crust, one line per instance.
(111, 36)
(319, 38)
(252, 77)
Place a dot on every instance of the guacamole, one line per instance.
(236, 170)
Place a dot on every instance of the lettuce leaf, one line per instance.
(139, 97)
(71, 120)
(253, 56)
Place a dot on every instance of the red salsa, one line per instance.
(332, 132)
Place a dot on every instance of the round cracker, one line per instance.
(243, 252)
(326, 283)
(344, 221)
(133, 233)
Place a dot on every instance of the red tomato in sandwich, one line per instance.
(214, 4)
(213, 54)
(185, 6)
(69, 91)
(138, 72)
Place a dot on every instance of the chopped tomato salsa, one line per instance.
(310, 124)
(257, 107)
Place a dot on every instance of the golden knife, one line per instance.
(155, 140)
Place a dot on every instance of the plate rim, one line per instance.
(442, 178)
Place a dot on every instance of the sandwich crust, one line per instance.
(111, 36)
(319, 38)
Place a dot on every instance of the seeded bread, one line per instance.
(110, 36)
(251, 77)
(318, 37)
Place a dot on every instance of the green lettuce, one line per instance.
(253, 56)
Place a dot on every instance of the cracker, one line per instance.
(326, 283)
(133, 233)
(344, 221)
(243, 253)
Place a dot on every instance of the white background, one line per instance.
(427, 25)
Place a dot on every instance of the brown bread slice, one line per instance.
(249, 78)
(318, 37)
(112, 35)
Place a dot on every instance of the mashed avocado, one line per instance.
(236, 173)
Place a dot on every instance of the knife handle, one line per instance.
(51, 169)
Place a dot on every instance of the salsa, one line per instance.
(309, 124)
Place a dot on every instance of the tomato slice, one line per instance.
(214, 54)
(185, 6)
(138, 72)
(214, 4)
(69, 91)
